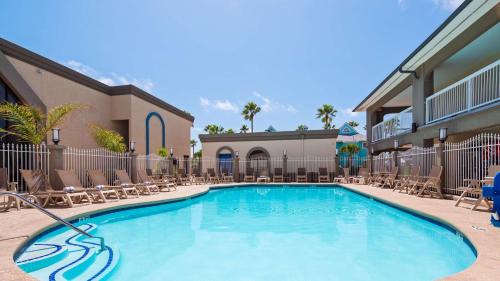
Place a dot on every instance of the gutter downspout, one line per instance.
(413, 72)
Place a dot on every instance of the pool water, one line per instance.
(278, 233)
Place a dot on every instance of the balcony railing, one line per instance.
(476, 90)
(398, 124)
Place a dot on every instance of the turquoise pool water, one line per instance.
(288, 233)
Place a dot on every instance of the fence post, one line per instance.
(133, 167)
(369, 163)
(440, 161)
(395, 159)
(236, 168)
(337, 165)
(285, 166)
(171, 166)
(56, 162)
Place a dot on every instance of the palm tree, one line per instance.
(193, 144)
(229, 131)
(302, 127)
(351, 149)
(249, 112)
(326, 114)
(108, 139)
(30, 124)
(244, 129)
(213, 129)
(353, 123)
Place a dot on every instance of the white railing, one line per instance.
(155, 163)
(476, 90)
(383, 162)
(470, 159)
(398, 124)
(23, 156)
(81, 160)
(423, 157)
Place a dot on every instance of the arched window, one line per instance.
(148, 118)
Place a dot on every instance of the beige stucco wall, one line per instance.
(55, 90)
(103, 109)
(177, 129)
(294, 148)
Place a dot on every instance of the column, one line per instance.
(56, 162)
(236, 169)
(133, 167)
(439, 161)
(285, 167)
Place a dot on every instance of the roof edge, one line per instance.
(282, 135)
(420, 47)
(13, 50)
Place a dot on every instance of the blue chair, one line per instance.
(494, 193)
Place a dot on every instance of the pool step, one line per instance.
(69, 256)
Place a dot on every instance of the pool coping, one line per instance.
(484, 267)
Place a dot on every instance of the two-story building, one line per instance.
(452, 80)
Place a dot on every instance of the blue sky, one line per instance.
(211, 57)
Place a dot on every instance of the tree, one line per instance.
(108, 139)
(193, 143)
(353, 123)
(244, 129)
(229, 131)
(270, 129)
(326, 114)
(30, 124)
(198, 154)
(350, 149)
(302, 127)
(213, 129)
(162, 152)
(249, 112)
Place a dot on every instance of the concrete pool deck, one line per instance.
(16, 227)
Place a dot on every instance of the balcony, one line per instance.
(476, 90)
(396, 125)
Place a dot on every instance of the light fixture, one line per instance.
(56, 138)
(396, 144)
(443, 134)
(284, 152)
(371, 149)
(131, 146)
(171, 152)
(237, 154)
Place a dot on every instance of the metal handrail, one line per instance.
(55, 217)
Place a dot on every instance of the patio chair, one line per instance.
(144, 189)
(278, 175)
(38, 186)
(404, 183)
(226, 176)
(474, 188)
(264, 176)
(212, 177)
(323, 175)
(198, 177)
(380, 177)
(301, 175)
(390, 180)
(362, 177)
(430, 185)
(250, 175)
(98, 178)
(98, 195)
(182, 177)
(5, 185)
(344, 178)
(163, 185)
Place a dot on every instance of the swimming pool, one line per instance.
(255, 233)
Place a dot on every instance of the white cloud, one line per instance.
(448, 5)
(268, 105)
(224, 105)
(349, 112)
(112, 79)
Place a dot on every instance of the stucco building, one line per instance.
(452, 80)
(28, 78)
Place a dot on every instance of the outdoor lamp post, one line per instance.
(131, 146)
(56, 138)
(237, 154)
(443, 134)
(284, 152)
(396, 144)
(171, 152)
(372, 150)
